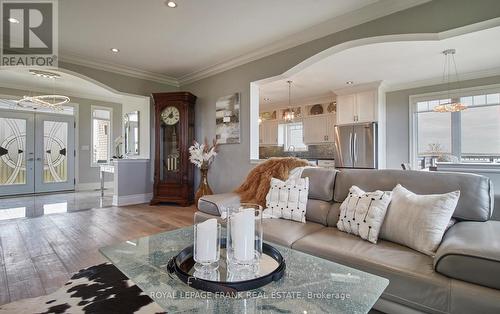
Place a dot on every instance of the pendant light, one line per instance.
(54, 102)
(289, 115)
(449, 65)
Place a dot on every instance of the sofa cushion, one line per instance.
(468, 298)
(333, 215)
(476, 198)
(413, 281)
(286, 232)
(214, 204)
(317, 211)
(321, 181)
(470, 251)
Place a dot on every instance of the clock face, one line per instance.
(170, 115)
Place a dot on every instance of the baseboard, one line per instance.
(91, 186)
(131, 199)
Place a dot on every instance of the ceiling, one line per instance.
(199, 35)
(397, 64)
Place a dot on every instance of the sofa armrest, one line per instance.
(470, 251)
(214, 204)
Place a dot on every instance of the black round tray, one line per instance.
(182, 263)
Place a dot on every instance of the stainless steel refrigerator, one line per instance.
(356, 146)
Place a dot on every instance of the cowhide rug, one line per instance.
(97, 289)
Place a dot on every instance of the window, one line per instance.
(469, 136)
(480, 129)
(101, 135)
(293, 136)
(434, 130)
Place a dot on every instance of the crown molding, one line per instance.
(365, 14)
(439, 80)
(118, 69)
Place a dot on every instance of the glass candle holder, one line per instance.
(206, 251)
(244, 235)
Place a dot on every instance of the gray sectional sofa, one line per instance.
(463, 276)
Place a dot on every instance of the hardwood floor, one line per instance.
(38, 255)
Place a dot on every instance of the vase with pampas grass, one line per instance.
(202, 156)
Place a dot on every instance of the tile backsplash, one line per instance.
(320, 151)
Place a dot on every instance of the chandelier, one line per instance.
(289, 115)
(54, 102)
(449, 61)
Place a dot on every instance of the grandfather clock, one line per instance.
(174, 133)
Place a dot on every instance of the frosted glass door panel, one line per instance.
(12, 151)
(55, 143)
(16, 153)
(55, 153)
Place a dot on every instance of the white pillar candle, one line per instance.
(206, 241)
(243, 234)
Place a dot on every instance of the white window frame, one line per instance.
(454, 94)
(92, 109)
(286, 139)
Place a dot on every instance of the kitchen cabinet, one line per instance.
(319, 129)
(268, 132)
(357, 107)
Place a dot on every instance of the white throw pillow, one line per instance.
(418, 221)
(287, 199)
(362, 213)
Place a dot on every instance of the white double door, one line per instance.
(37, 152)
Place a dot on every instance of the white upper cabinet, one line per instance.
(346, 108)
(268, 133)
(357, 107)
(366, 103)
(319, 129)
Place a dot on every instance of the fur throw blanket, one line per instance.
(258, 181)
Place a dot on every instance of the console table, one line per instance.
(102, 169)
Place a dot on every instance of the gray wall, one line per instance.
(129, 85)
(125, 84)
(86, 173)
(232, 164)
(398, 117)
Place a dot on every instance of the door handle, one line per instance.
(351, 153)
(39, 159)
(355, 146)
(30, 159)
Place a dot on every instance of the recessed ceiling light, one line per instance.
(171, 4)
(349, 82)
(115, 50)
(13, 20)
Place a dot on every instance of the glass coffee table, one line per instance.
(310, 284)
